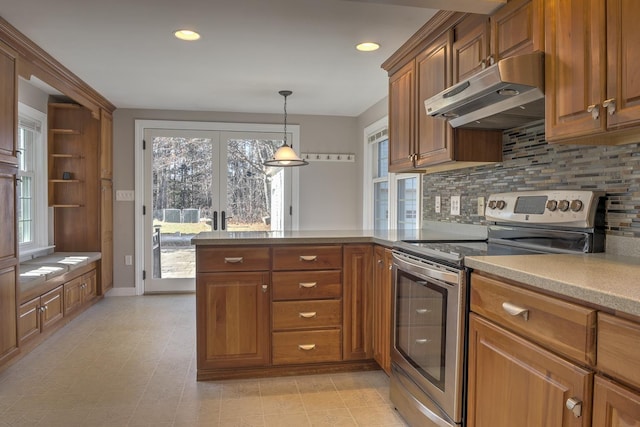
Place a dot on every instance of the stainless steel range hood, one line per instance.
(505, 95)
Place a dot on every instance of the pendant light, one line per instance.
(285, 156)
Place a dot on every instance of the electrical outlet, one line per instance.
(128, 260)
(481, 206)
(438, 202)
(455, 205)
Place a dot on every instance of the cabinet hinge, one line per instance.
(144, 144)
(144, 210)
(144, 274)
(290, 210)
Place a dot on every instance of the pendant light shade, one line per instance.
(285, 156)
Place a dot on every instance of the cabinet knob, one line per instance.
(610, 105)
(574, 405)
(594, 109)
(264, 288)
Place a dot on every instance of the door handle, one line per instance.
(223, 218)
(515, 310)
(215, 220)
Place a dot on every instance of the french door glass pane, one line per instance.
(407, 203)
(181, 196)
(254, 192)
(381, 205)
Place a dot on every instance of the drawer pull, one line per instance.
(306, 347)
(233, 260)
(574, 405)
(515, 310)
(422, 310)
(308, 314)
(308, 284)
(423, 341)
(308, 258)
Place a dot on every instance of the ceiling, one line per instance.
(249, 50)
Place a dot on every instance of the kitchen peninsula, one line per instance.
(278, 303)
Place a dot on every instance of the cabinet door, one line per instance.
(8, 250)
(402, 118)
(614, 405)
(232, 312)
(513, 382)
(29, 320)
(623, 61)
(89, 286)
(433, 71)
(517, 28)
(471, 47)
(106, 145)
(574, 68)
(53, 307)
(357, 302)
(8, 104)
(8, 313)
(106, 231)
(72, 295)
(382, 298)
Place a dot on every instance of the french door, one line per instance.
(206, 181)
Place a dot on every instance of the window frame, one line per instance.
(39, 207)
(369, 181)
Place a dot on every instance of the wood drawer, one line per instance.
(306, 347)
(307, 314)
(307, 257)
(566, 328)
(239, 258)
(305, 285)
(618, 348)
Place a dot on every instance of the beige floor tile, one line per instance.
(245, 406)
(385, 416)
(331, 418)
(367, 398)
(322, 400)
(283, 404)
(243, 421)
(287, 420)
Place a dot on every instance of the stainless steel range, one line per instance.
(431, 292)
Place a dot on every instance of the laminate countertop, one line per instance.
(608, 281)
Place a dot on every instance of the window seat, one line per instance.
(40, 275)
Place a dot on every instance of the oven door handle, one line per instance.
(432, 273)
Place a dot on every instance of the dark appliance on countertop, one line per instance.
(431, 291)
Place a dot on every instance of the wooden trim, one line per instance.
(440, 22)
(33, 60)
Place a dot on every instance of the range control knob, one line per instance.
(563, 205)
(500, 204)
(492, 204)
(576, 205)
(552, 205)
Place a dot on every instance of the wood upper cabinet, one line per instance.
(357, 302)
(471, 47)
(8, 104)
(232, 311)
(513, 382)
(592, 89)
(382, 303)
(517, 28)
(614, 405)
(402, 106)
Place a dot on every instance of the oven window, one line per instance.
(421, 325)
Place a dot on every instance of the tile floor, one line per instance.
(130, 361)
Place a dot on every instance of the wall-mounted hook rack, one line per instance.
(329, 157)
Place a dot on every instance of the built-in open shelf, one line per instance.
(67, 156)
(64, 180)
(66, 206)
(68, 105)
(66, 131)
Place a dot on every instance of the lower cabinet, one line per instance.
(382, 302)
(615, 405)
(8, 329)
(513, 382)
(79, 291)
(232, 311)
(40, 314)
(358, 287)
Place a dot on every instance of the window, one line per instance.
(391, 201)
(32, 187)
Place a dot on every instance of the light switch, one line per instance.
(125, 195)
(455, 205)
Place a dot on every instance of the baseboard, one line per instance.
(121, 292)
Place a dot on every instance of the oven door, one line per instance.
(428, 334)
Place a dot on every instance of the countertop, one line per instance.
(609, 281)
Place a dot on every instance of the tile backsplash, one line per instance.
(530, 163)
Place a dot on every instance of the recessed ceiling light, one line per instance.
(367, 46)
(187, 35)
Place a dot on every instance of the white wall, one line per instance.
(330, 193)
